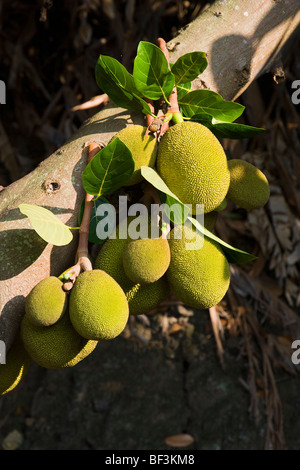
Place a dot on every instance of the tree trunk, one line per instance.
(242, 38)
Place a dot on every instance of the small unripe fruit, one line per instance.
(143, 149)
(249, 187)
(198, 277)
(57, 346)
(146, 260)
(98, 306)
(16, 367)
(46, 302)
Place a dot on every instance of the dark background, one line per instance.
(162, 376)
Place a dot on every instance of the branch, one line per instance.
(243, 39)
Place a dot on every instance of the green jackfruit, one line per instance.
(17, 365)
(143, 149)
(144, 298)
(56, 346)
(141, 298)
(46, 302)
(249, 187)
(146, 260)
(198, 277)
(98, 306)
(193, 164)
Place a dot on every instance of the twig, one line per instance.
(82, 261)
(92, 103)
(151, 195)
(173, 113)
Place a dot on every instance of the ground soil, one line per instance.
(131, 396)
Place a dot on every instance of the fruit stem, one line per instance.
(173, 108)
(149, 117)
(151, 194)
(82, 261)
(177, 117)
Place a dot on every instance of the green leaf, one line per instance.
(181, 210)
(207, 103)
(109, 169)
(233, 255)
(230, 130)
(234, 130)
(114, 80)
(94, 220)
(151, 72)
(47, 225)
(183, 89)
(189, 66)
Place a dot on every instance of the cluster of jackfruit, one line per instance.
(133, 276)
(60, 329)
(192, 163)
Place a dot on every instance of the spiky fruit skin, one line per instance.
(144, 298)
(249, 187)
(200, 278)
(141, 298)
(17, 365)
(146, 260)
(47, 302)
(193, 164)
(143, 149)
(98, 306)
(57, 346)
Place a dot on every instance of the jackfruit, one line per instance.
(141, 298)
(46, 302)
(17, 365)
(56, 346)
(198, 277)
(249, 187)
(98, 306)
(143, 149)
(193, 164)
(144, 298)
(146, 260)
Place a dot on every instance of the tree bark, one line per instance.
(242, 39)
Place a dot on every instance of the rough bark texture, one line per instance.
(56, 185)
(242, 38)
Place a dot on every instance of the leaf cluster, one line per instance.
(153, 78)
